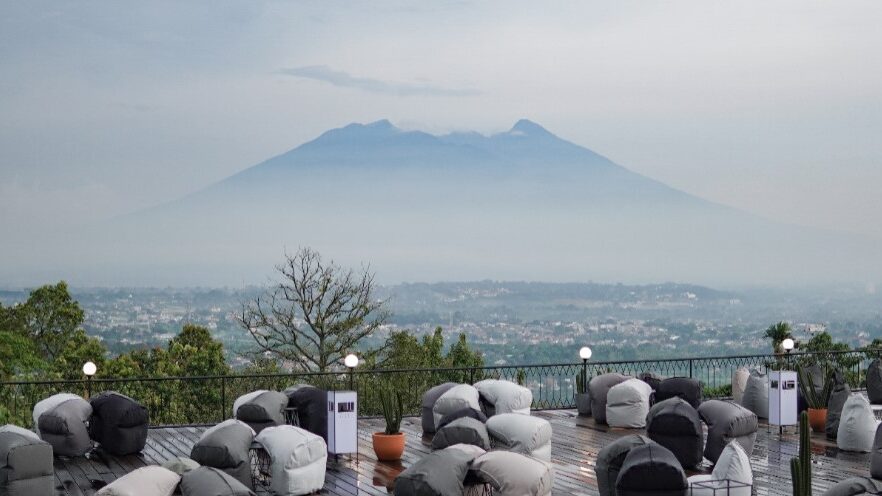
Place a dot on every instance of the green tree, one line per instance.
(19, 357)
(777, 333)
(51, 317)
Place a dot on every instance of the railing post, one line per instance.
(472, 376)
(690, 368)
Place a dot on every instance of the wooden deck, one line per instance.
(575, 445)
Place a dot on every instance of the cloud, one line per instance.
(345, 80)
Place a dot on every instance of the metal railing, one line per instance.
(209, 399)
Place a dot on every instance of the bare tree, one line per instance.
(316, 314)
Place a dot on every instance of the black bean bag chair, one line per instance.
(674, 424)
(682, 387)
(651, 470)
(462, 412)
(209, 481)
(261, 409)
(727, 421)
(598, 389)
(841, 392)
(312, 408)
(464, 430)
(226, 446)
(440, 473)
(610, 460)
(429, 399)
(26, 464)
(118, 423)
(874, 382)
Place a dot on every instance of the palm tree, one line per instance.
(778, 333)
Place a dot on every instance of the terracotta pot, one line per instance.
(817, 418)
(388, 447)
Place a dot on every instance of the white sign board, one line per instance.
(782, 398)
(342, 422)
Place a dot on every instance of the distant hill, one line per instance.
(522, 204)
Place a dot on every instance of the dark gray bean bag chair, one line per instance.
(312, 408)
(854, 486)
(681, 387)
(756, 394)
(874, 382)
(209, 481)
(513, 474)
(651, 469)
(610, 459)
(61, 421)
(261, 409)
(118, 423)
(727, 421)
(462, 412)
(598, 388)
(841, 392)
(876, 455)
(674, 424)
(650, 378)
(26, 465)
(456, 398)
(429, 399)
(226, 446)
(440, 473)
(464, 430)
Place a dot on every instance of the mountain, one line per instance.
(522, 204)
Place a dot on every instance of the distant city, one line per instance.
(515, 322)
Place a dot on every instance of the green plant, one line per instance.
(581, 383)
(393, 410)
(801, 466)
(522, 377)
(814, 398)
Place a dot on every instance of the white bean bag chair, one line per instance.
(226, 446)
(61, 421)
(513, 474)
(261, 409)
(756, 394)
(298, 459)
(503, 397)
(598, 389)
(734, 465)
(429, 399)
(521, 434)
(627, 404)
(152, 480)
(456, 398)
(739, 383)
(26, 464)
(857, 426)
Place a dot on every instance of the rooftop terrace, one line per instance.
(575, 445)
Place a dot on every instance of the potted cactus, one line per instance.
(583, 399)
(389, 444)
(816, 397)
(801, 466)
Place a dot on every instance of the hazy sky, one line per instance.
(772, 107)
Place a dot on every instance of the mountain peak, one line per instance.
(382, 124)
(526, 127)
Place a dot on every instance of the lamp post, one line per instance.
(788, 345)
(89, 369)
(585, 354)
(351, 361)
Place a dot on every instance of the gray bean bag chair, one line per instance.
(521, 434)
(627, 404)
(874, 382)
(151, 480)
(857, 426)
(226, 446)
(841, 392)
(440, 473)
(734, 466)
(610, 460)
(26, 464)
(464, 430)
(756, 394)
(61, 421)
(298, 459)
(261, 409)
(456, 398)
(876, 455)
(118, 423)
(674, 424)
(854, 486)
(598, 388)
(429, 399)
(727, 421)
(209, 481)
(651, 469)
(503, 397)
(180, 465)
(462, 412)
(739, 384)
(513, 474)
(680, 387)
(312, 408)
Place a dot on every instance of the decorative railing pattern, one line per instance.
(209, 399)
